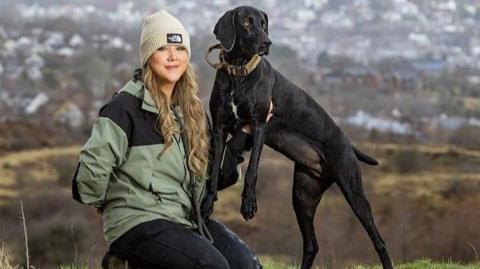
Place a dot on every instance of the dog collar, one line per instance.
(235, 70)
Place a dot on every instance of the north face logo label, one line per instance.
(174, 38)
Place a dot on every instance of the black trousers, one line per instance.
(165, 244)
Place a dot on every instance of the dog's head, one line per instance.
(244, 30)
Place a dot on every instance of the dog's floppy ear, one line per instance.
(225, 30)
(266, 19)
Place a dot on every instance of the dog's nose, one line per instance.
(267, 43)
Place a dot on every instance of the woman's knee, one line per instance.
(245, 260)
(253, 263)
(238, 254)
(213, 260)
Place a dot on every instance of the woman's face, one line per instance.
(169, 63)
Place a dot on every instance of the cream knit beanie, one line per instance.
(159, 29)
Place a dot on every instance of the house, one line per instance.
(362, 77)
(430, 67)
(401, 79)
(330, 80)
(69, 115)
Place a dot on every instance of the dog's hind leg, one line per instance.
(307, 192)
(349, 180)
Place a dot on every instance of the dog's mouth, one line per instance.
(263, 50)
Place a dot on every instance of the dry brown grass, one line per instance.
(419, 212)
(5, 259)
(426, 212)
(422, 148)
(30, 168)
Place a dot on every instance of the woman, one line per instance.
(146, 177)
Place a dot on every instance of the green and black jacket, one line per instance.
(120, 170)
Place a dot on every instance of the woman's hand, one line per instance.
(248, 128)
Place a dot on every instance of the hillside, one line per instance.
(420, 195)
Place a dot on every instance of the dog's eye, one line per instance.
(264, 26)
(246, 23)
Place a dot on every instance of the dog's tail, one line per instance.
(364, 157)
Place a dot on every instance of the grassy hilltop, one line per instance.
(424, 200)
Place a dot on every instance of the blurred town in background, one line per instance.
(401, 77)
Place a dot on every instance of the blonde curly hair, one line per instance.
(184, 95)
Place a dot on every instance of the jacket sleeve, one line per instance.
(104, 150)
(232, 158)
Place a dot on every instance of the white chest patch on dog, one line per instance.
(234, 107)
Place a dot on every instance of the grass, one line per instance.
(5, 259)
(10, 161)
(427, 264)
(420, 264)
(269, 263)
(74, 266)
(433, 182)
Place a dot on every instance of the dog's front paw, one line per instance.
(207, 206)
(249, 207)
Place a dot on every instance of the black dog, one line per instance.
(245, 84)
